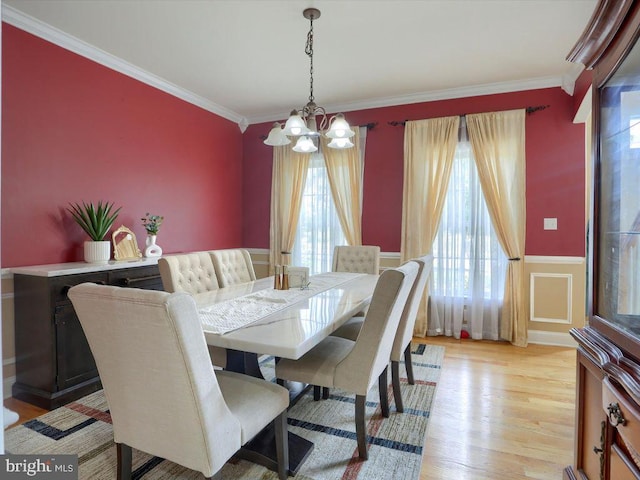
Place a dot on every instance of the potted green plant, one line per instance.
(151, 223)
(95, 220)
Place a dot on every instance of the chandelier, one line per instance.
(309, 122)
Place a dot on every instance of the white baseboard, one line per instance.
(557, 339)
(7, 386)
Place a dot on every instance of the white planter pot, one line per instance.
(153, 249)
(97, 252)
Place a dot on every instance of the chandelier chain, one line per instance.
(311, 122)
(308, 49)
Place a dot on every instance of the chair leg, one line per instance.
(382, 387)
(395, 380)
(408, 364)
(361, 428)
(325, 392)
(316, 392)
(282, 444)
(124, 456)
(280, 382)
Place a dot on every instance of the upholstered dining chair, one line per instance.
(233, 266)
(402, 341)
(356, 259)
(192, 273)
(188, 272)
(354, 365)
(163, 394)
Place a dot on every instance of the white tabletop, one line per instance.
(294, 330)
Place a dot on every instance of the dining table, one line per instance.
(253, 319)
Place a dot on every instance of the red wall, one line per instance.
(555, 170)
(73, 130)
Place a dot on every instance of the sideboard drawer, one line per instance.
(624, 418)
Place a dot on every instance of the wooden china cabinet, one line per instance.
(607, 442)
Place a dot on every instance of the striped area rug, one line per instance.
(395, 443)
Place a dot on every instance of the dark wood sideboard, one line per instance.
(54, 364)
(607, 426)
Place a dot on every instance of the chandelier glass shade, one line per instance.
(308, 123)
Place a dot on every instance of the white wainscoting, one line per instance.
(535, 299)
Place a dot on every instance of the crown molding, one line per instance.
(56, 36)
(446, 94)
(569, 78)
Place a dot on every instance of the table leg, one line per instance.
(243, 362)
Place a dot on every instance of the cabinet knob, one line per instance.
(615, 415)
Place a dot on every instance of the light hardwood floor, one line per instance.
(500, 412)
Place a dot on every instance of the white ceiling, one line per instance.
(245, 59)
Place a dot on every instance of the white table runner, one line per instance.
(230, 315)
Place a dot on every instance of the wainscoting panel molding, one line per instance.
(557, 297)
(550, 297)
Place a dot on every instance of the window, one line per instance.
(469, 263)
(319, 229)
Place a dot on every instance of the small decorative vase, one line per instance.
(152, 250)
(97, 252)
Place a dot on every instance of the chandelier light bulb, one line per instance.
(340, 143)
(339, 128)
(305, 145)
(295, 125)
(276, 136)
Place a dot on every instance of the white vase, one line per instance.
(152, 250)
(97, 252)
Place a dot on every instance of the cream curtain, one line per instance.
(498, 143)
(344, 169)
(289, 175)
(429, 149)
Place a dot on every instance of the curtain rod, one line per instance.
(529, 111)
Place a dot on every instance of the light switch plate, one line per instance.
(550, 223)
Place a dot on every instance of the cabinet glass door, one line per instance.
(618, 198)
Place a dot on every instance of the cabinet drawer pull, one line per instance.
(133, 281)
(615, 415)
(597, 450)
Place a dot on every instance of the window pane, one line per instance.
(319, 229)
(468, 259)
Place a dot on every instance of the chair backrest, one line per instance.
(233, 266)
(356, 259)
(188, 272)
(410, 312)
(153, 362)
(370, 354)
